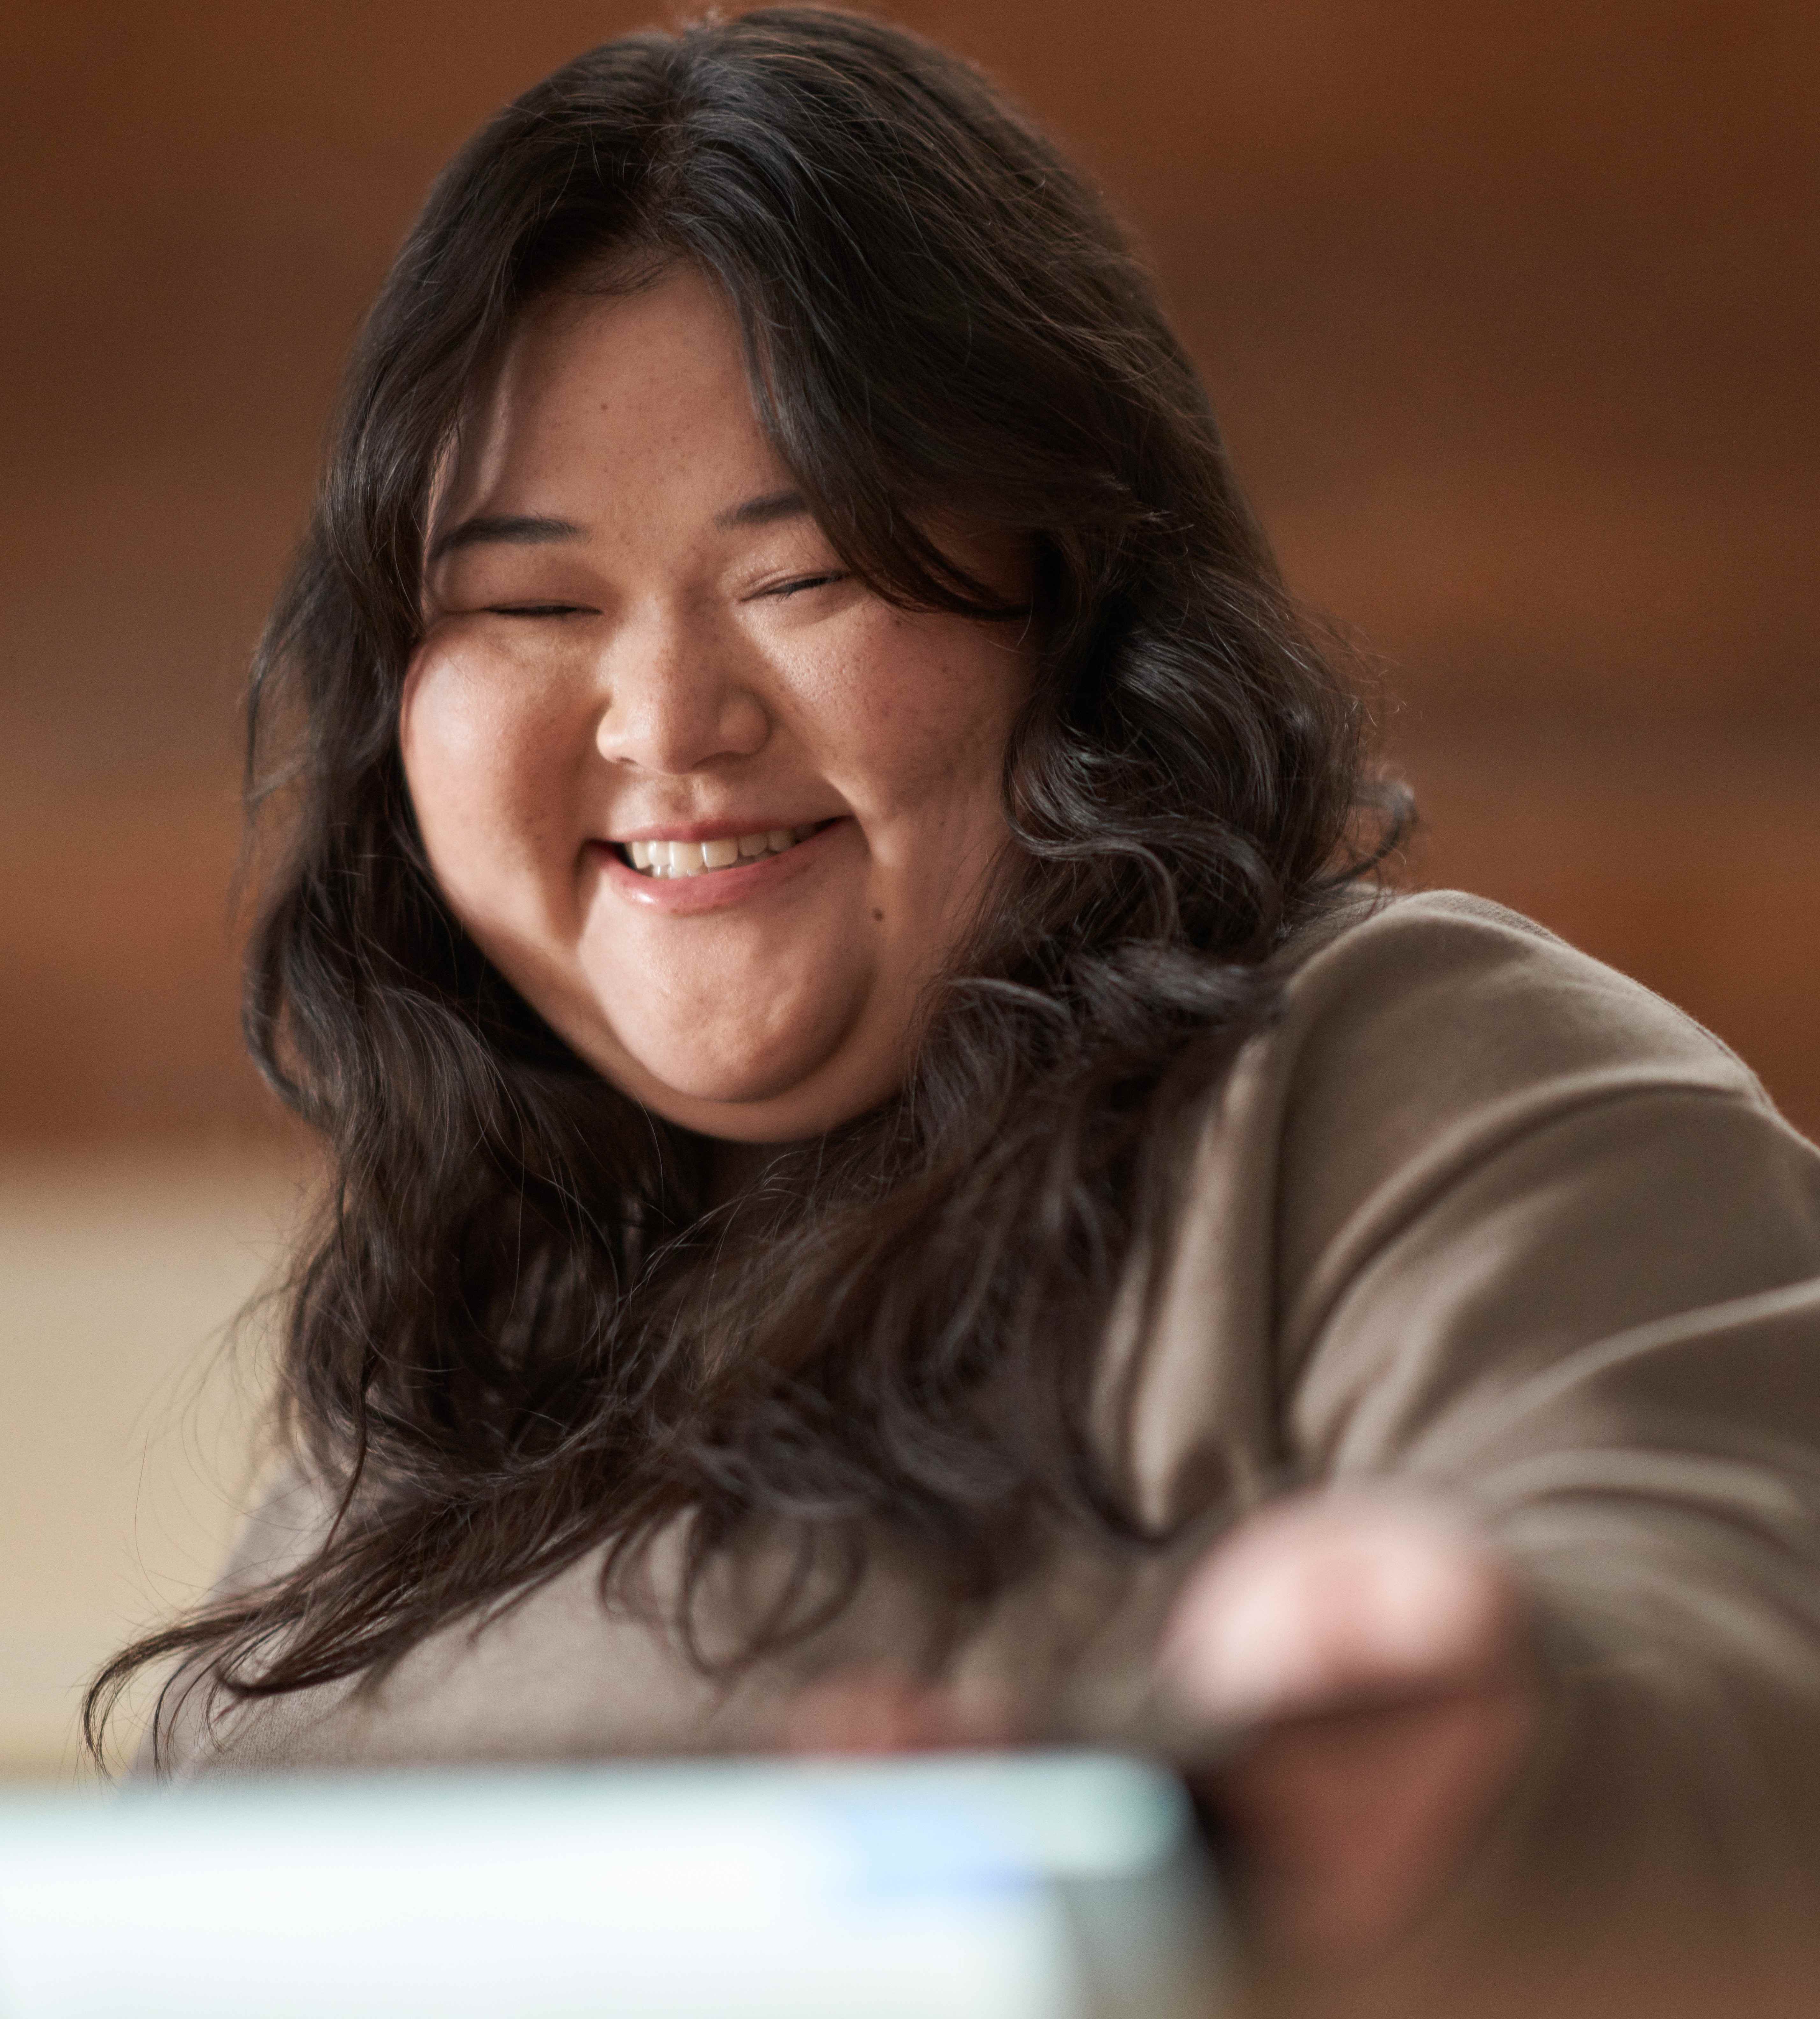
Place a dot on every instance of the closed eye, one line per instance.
(798, 583)
(538, 609)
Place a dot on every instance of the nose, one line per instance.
(675, 699)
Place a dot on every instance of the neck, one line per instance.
(734, 1168)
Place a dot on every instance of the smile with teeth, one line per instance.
(703, 858)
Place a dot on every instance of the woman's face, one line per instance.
(713, 807)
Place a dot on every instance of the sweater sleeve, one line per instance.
(1546, 1250)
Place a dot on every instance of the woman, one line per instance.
(892, 1181)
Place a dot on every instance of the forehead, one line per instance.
(599, 397)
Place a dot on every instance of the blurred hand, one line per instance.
(1379, 1654)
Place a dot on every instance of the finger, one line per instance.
(1335, 1597)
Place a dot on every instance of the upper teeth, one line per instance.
(695, 858)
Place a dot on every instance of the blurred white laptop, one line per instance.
(1058, 1886)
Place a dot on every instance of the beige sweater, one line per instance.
(1477, 1216)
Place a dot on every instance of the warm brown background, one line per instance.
(1511, 311)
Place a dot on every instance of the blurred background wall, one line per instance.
(1511, 313)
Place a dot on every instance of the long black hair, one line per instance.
(517, 1333)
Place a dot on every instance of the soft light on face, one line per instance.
(642, 651)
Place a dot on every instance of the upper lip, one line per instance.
(716, 830)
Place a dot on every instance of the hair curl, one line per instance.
(516, 1333)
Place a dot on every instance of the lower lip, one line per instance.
(716, 889)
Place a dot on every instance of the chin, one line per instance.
(782, 1063)
(770, 1102)
(698, 1077)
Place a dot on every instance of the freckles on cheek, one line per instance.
(926, 718)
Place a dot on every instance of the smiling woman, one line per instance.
(637, 636)
(875, 1112)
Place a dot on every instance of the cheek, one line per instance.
(485, 758)
(918, 735)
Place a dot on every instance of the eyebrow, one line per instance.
(765, 511)
(515, 529)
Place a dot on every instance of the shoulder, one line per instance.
(1446, 996)
(1460, 1147)
(1418, 1027)
(1438, 1061)
(193, 1729)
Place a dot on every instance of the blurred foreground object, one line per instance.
(1040, 1887)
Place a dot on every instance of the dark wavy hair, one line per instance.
(518, 1332)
